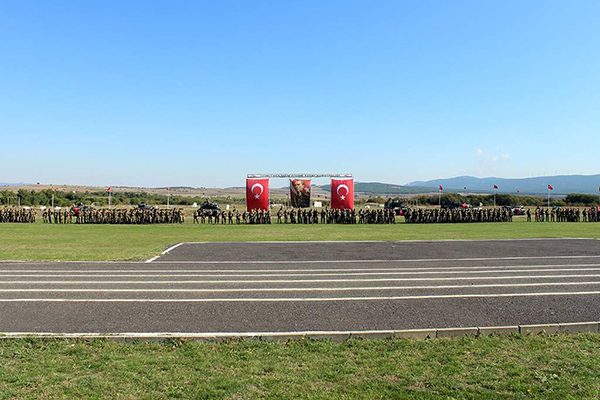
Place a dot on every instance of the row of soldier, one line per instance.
(114, 216)
(230, 217)
(565, 215)
(457, 215)
(16, 215)
(295, 216)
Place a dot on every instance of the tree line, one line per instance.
(100, 199)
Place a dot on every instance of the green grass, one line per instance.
(131, 242)
(515, 367)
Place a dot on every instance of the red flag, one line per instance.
(167, 188)
(108, 189)
(441, 188)
(550, 187)
(518, 191)
(495, 186)
(342, 194)
(257, 194)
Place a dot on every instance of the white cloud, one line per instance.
(479, 151)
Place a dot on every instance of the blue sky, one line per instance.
(200, 93)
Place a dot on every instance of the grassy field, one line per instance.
(122, 242)
(517, 367)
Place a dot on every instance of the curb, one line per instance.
(415, 334)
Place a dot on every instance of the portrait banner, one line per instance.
(300, 193)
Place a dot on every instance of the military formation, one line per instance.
(232, 217)
(294, 216)
(114, 216)
(457, 215)
(564, 215)
(15, 215)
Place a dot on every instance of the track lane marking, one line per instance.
(171, 248)
(371, 261)
(268, 271)
(193, 275)
(32, 282)
(301, 300)
(325, 289)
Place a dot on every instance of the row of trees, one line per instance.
(96, 198)
(574, 199)
(100, 199)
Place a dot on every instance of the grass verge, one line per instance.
(132, 242)
(513, 367)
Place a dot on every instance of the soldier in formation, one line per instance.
(458, 215)
(566, 215)
(15, 215)
(114, 216)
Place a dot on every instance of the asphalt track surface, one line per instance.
(309, 286)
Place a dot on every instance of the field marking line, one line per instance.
(393, 241)
(172, 248)
(157, 282)
(301, 300)
(375, 261)
(152, 259)
(269, 272)
(195, 275)
(53, 262)
(248, 335)
(313, 289)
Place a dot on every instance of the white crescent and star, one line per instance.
(343, 197)
(262, 189)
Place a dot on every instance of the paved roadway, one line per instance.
(285, 287)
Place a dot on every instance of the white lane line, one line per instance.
(391, 241)
(192, 275)
(54, 262)
(374, 261)
(172, 248)
(268, 272)
(307, 299)
(313, 289)
(152, 259)
(178, 282)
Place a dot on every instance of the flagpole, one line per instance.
(494, 198)
(109, 198)
(168, 197)
(440, 199)
(53, 199)
(548, 196)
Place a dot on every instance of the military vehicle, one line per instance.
(209, 207)
(396, 205)
(144, 206)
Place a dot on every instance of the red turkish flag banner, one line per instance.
(441, 188)
(257, 194)
(342, 194)
(495, 186)
(108, 189)
(550, 187)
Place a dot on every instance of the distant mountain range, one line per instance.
(382, 189)
(12, 184)
(562, 184)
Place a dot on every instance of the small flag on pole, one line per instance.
(441, 188)
(108, 189)
(550, 187)
(495, 187)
